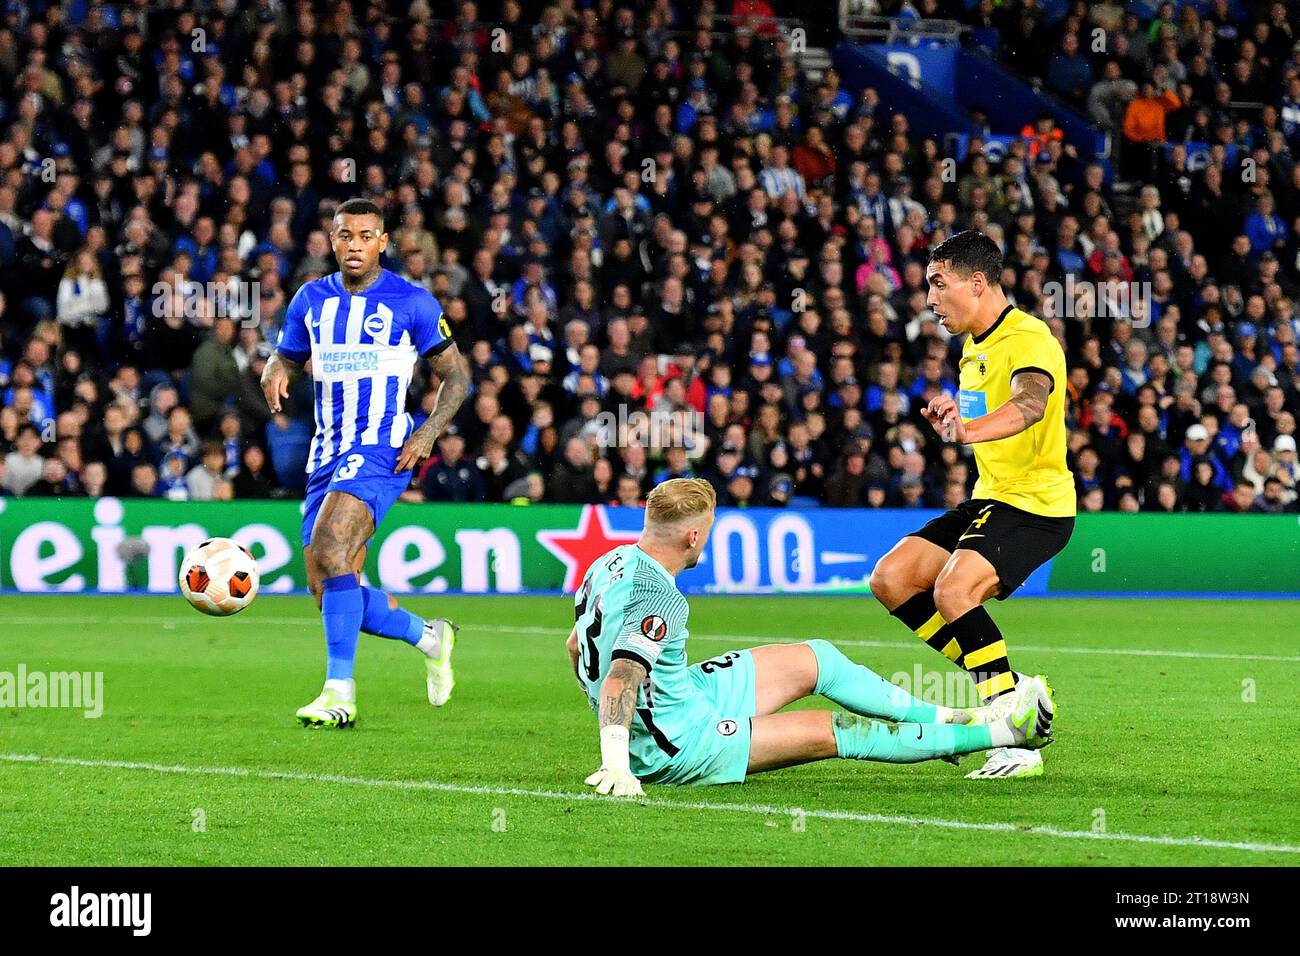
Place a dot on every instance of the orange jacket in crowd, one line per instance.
(1144, 120)
(1039, 140)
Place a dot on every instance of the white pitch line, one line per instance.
(704, 806)
(1035, 648)
(721, 638)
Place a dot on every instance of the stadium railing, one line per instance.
(878, 29)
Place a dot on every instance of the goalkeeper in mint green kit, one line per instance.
(663, 722)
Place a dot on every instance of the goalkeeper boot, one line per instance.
(335, 707)
(439, 680)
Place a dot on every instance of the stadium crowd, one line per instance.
(625, 211)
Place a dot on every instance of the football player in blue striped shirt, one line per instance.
(363, 328)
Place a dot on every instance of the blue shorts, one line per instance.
(366, 473)
(719, 750)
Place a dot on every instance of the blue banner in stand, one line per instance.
(995, 147)
(1198, 155)
(774, 550)
(934, 66)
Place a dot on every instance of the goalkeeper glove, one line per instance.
(614, 776)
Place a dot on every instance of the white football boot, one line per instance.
(439, 680)
(1032, 695)
(336, 707)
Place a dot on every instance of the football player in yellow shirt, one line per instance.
(1011, 410)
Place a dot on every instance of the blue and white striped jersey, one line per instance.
(363, 350)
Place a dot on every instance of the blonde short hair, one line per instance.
(679, 498)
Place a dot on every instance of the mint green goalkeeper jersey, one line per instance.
(629, 606)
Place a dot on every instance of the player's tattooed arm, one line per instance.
(277, 375)
(618, 693)
(617, 705)
(1026, 408)
(453, 374)
(1029, 391)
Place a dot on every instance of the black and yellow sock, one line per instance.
(984, 653)
(920, 615)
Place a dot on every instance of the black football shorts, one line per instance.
(1015, 542)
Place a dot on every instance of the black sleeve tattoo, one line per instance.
(618, 693)
(453, 374)
(1029, 391)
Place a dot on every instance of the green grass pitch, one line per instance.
(197, 759)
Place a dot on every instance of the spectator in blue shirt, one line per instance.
(201, 247)
(1196, 447)
(1265, 228)
(1289, 114)
(1068, 73)
(697, 104)
(930, 373)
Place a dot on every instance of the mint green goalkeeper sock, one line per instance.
(859, 738)
(863, 691)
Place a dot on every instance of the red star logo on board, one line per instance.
(580, 549)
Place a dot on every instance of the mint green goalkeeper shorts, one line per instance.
(718, 751)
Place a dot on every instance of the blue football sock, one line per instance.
(393, 622)
(341, 610)
(862, 690)
(861, 738)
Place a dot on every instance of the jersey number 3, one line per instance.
(588, 652)
(350, 467)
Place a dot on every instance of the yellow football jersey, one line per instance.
(1027, 470)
